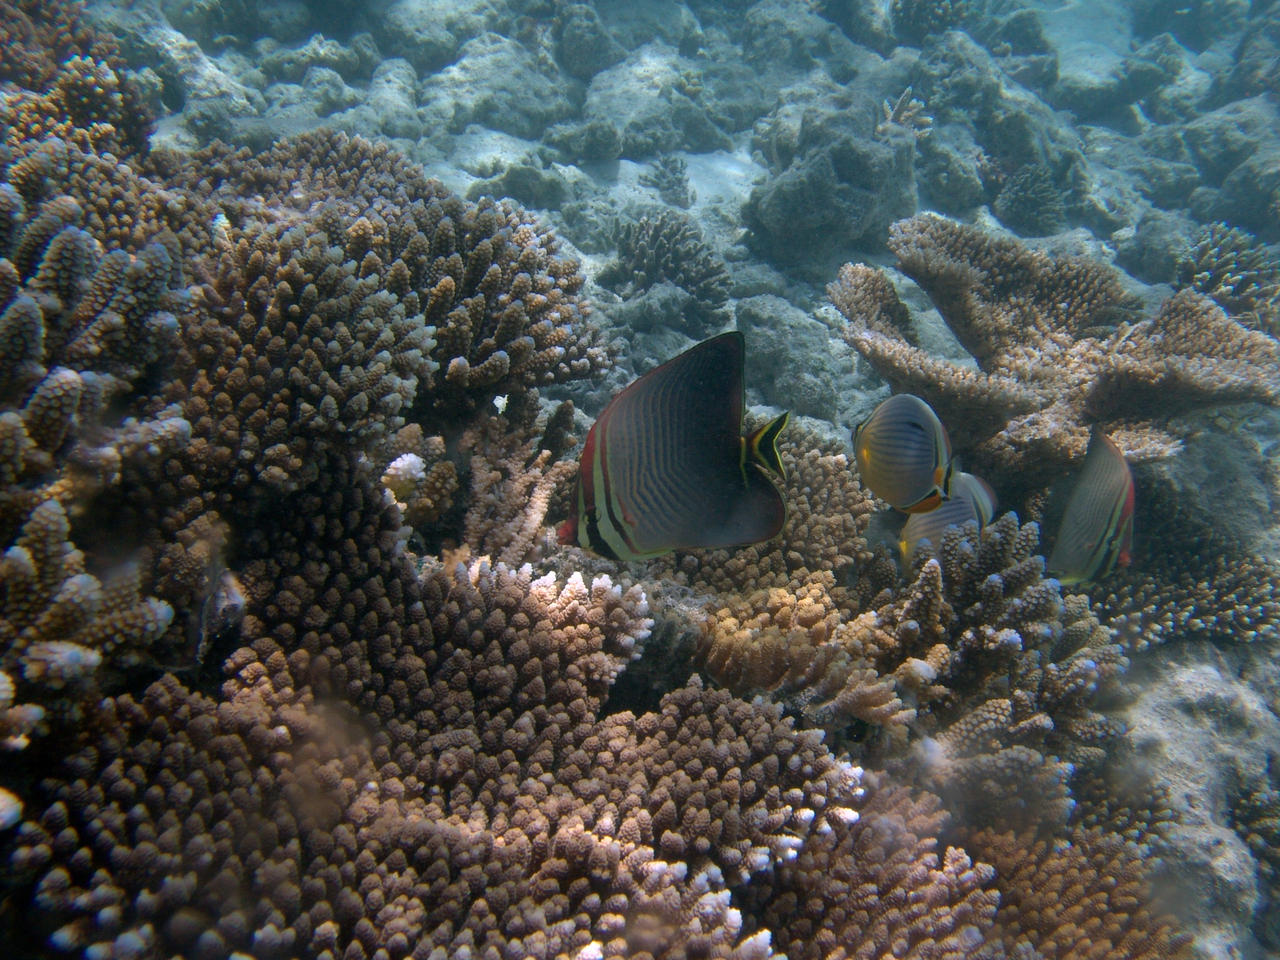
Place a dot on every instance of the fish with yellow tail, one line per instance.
(1096, 533)
(666, 467)
(972, 501)
(904, 454)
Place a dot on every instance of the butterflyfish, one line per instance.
(1096, 533)
(904, 455)
(972, 501)
(666, 467)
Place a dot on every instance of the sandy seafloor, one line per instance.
(1146, 121)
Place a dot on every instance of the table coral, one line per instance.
(1057, 350)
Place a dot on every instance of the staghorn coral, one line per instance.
(1051, 360)
(905, 114)
(1231, 267)
(668, 248)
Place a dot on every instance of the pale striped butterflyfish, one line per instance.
(1096, 533)
(904, 455)
(666, 467)
(972, 501)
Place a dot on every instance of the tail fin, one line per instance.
(762, 445)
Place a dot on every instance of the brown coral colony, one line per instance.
(290, 666)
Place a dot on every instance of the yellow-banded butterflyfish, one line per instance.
(666, 467)
(1096, 533)
(972, 501)
(904, 455)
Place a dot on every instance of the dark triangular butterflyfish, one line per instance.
(666, 467)
(1096, 533)
(904, 454)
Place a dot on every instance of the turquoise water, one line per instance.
(307, 311)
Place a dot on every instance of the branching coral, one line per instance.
(71, 76)
(977, 658)
(444, 819)
(486, 277)
(1085, 897)
(512, 484)
(669, 248)
(1051, 359)
(913, 20)
(408, 755)
(879, 883)
(669, 176)
(418, 475)
(1030, 203)
(1235, 270)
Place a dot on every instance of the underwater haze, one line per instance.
(507, 479)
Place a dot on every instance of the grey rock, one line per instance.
(634, 24)
(1223, 139)
(660, 306)
(1198, 723)
(392, 97)
(1249, 192)
(188, 74)
(591, 141)
(649, 100)
(793, 361)
(1151, 250)
(841, 191)
(791, 33)
(495, 82)
(292, 63)
(525, 182)
(428, 33)
(328, 92)
(583, 46)
(947, 171)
